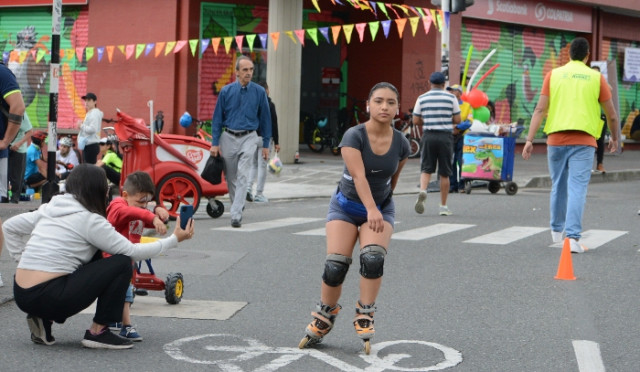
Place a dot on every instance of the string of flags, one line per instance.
(413, 15)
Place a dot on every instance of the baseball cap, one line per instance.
(455, 87)
(437, 78)
(90, 96)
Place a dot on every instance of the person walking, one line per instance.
(361, 209)
(438, 112)
(18, 159)
(456, 183)
(600, 141)
(89, 136)
(241, 109)
(11, 112)
(571, 98)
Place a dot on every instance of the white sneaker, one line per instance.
(260, 199)
(557, 236)
(577, 247)
(444, 211)
(419, 207)
(1, 283)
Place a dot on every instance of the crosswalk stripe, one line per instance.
(429, 231)
(593, 239)
(271, 224)
(506, 236)
(314, 232)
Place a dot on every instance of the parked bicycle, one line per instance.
(411, 131)
(204, 129)
(318, 133)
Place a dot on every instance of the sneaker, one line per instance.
(236, 223)
(105, 340)
(419, 207)
(249, 196)
(1, 283)
(600, 168)
(130, 333)
(444, 211)
(577, 247)
(557, 236)
(138, 292)
(40, 330)
(115, 326)
(260, 199)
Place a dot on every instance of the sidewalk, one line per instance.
(317, 175)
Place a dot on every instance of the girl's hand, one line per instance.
(186, 233)
(374, 220)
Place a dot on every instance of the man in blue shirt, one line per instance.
(241, 109)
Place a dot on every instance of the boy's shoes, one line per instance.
(116, 326)
(260, 199)
(444, 211)
(557, 236)
(576, 247)
(419, 207)
(130, 333)
(249, 196)
(40, 330)
(105, 340)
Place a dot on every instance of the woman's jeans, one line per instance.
(570, 170)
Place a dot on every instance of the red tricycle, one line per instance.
(174, 162)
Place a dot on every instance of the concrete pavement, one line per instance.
(317, 175)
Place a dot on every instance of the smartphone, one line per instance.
(186, 212)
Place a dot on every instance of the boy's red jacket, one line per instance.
(129, 220)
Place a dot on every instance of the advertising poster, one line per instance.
(482, 157)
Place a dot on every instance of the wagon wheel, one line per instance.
(512, 188)
(215, 213)
(316, 142)
(174, 288)
(467, 187)
(177, 189)
(494, 186)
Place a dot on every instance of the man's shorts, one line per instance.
(337, 213)
(437, 150)
(34, 179)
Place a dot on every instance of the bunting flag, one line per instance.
(148, 48)
(250, 40)
(130, 49)
(315, 3)
(159, 48)
(384, 10)
(446, 19)
(290, 34)
(390, 6)
(275, 36)
(360, 28)
(169, 47)
(88, 53)
(336, 33)
(313, 34)
(373, 29)
(41, 54)
(139, 49)
(434, 18)
(179, 45)
(110, 49)
(386, 26)
(121, 49)
(227, 43)
(404, 10)
(193, 45)
(325, 32)
(100, 53)
(374, 8)
(414, 24)
(348, 30)
(400, 22)
(263, 40)
(22, 57)
(204, 44)
(426, 22)
(215, 43)
(70, 54)
(79, 53)
(300, 35)
(239, 42)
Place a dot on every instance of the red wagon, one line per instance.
(174, 162)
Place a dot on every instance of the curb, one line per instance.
(614, 176)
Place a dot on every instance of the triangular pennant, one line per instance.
(440, 20)
(88, 53)
(79, 53)
(336, 33)
(100, 53)
(193, 45)
(300, 35)
(204, 44)
(315, 3)
(414, 24)
(215, 43)
(14, 56)
(360, 28)
(363, 5)
(275, 36)
(250, 40)
(239, 41)
(169, 47)
(41, 54)
(129, 50)
(263, 40)
(386, 26)
(148, 48)
(420, 11)
(400, 22)
(404, 10)
(290, 34)
(159, 48)
(426, 22)
(121, 49)
(433, 16)
(139, 49)
(384, 9)
(227, 43)
(348, 30)
(70, 54)
(410, 8)
(325, 32)
(313, 34)
(446, 19)
(110, 49)
(33, 53)
(23, 56)
(179, 45)
(373, 29)
(5, 57)
(60, 54)
(390, 6)
(374, 8)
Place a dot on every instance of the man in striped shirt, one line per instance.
(438, 112)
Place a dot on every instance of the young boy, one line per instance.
(128, 214)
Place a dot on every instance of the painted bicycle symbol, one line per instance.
(230, 358)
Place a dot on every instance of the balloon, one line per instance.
(482, 114)
(186, 120)
(464, 97)
(477, 98)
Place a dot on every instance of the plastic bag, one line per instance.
(275, 165)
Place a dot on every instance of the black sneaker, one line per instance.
(236, 223)
(40, 330)
(249, 196)
(105, 340)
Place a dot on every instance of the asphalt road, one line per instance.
(470, 292)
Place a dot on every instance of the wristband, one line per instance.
(13, 118)
(529, 141)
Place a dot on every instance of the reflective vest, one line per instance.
(574, 90)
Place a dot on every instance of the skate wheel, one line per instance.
(367, 347)
(303, 343)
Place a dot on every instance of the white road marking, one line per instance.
(506, 236)
(429, 231)
(588, 356)
(315, 232)
(271, 224)
(593, 239)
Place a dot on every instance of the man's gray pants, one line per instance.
(237, 153)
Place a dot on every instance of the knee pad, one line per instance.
(335, 269)
(372, 261)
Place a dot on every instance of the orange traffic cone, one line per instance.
(565, 267)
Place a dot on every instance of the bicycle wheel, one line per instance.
(315, 142)
(414, 148)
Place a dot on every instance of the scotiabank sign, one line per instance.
(546, 14)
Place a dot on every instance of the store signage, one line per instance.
(21, 3)
(631, 71)
(545, 14)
